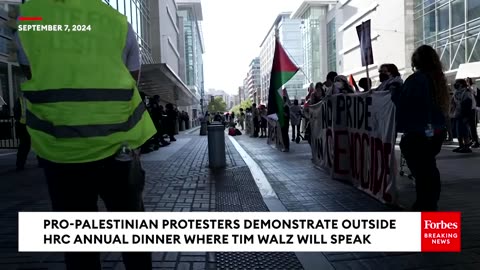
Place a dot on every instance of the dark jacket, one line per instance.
(415, 107)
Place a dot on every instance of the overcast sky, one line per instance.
(233, 31)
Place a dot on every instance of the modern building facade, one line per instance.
(289, 34)
(313, 16)
(331, 40)
(253, 81)
(452, 27)
(191, 13)
(10, 74)
(160, 33)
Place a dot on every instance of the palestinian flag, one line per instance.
(283, 69)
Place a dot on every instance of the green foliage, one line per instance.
(244, 105)
(217, 105)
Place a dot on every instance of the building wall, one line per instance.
(315, 44)
(254, 81)
(266, 57)
(290, 37)
(168, 34)
(11, 75)
(452, 27)
(388, 35)
(138, 15)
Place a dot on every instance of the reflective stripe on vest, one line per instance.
(82, 102)
(78, 95)
(85, 131)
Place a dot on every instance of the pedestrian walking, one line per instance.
(263, 121)
(19, 113)
(295, 119)
(241, 119)
(85, 115)
(421, 105)
(256, 120)
(473, 118)
(460, 113)
(286, 126)
(171, 121)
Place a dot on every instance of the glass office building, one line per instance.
(314, 43)
(139, 17)
(10, 74)
(452, 27)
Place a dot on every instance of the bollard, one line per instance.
(203, 128)
(216, 146)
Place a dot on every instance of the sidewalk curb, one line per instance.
(309, 260)
(192, 130)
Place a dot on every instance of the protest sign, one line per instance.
(353, 138)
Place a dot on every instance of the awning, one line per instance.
(469, 70)
(159, 79)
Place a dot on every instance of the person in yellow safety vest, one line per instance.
(84, 112)
(19, 113)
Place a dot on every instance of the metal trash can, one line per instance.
(203, 128)
(216, 146)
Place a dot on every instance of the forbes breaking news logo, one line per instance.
(441, 232)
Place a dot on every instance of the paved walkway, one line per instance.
(302, 187)
(178, 179)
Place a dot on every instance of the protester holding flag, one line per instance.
(390, 78)
(422, 104)
(283, 70)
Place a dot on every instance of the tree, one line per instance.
(217, 105)
(244, 105)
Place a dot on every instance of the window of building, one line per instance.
(443, 18)
(458, 12)
(429, 24)
(473, 10)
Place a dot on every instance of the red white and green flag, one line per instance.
(283, 69)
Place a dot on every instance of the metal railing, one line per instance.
(8, 138)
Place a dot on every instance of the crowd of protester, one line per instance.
(167, 121)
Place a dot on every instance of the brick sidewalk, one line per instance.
(302, 187)
(178, 179)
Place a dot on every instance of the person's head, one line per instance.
(460, 84)
(470, 82)
(254, 105)
(156, 98)
(295, 102)
(169, 106)
(388, 71)
(425, 59)
(339, 82)
(331, 76)
(241, 109)
(365, 83)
